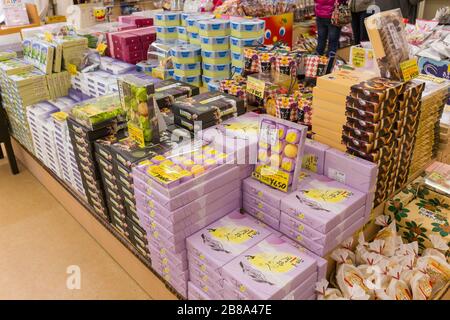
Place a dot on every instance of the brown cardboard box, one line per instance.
(341, 81)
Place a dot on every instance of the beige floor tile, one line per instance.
(39, 240)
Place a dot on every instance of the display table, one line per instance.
(112, 242)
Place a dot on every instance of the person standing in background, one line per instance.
(408, 7)
(360, 12)
(327, 31)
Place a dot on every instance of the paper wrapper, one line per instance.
(251, 57)
(287, 107)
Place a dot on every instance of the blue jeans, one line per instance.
(327, 31)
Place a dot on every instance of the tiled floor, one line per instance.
(39, 240)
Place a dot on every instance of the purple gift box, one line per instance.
(322, 203)
(261, 191)
(192, 211)
(269, 270)
(350, 170)
(225, 239)
(304, 290)
(318, 249)
(192, 189)
(211, 290)
(314, 156)
(321, 262)
(154, 240)
(261, 215)
(369, 206)
(198, 266)
(302, 230)
(159, 252)
(195, 293)
(262, 206)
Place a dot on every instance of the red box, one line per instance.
(144, 22)
(125, 39)
(145, 35)
(130, 56)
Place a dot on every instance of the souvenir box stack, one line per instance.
(167, 24)
(329, 101)
(91, 120)
(206, 110)
(444, 137)
(187, 63)
(192, 28)
(177, 193)
(382, 118)
(73, 49)
(137, 21)
(131, 46)
(433, 102)
(66, 156)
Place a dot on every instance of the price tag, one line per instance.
(272, 177)
(359, 57)
(256, 87)
(72, 69)
(136, 134)
(101, 48)
(410, 69)
(158, 73)
(48, 36)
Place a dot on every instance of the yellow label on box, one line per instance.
(272, 177)
(60, 116)
(164, 175)
(359, 57)
(158, 73)
(136, 134)
(101, 48)
(410, 69)
(48, 36)
(72, 69)
(55, 19)
(256, 87)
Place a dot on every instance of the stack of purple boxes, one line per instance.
(240, 258)
(171, 212)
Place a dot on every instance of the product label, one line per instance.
(309, 162)
(72, 69)
(274, 262)
(410, 69)
(163, 175)
(336, 175)
(101, 48)
(175, 85)
(394, 35)
(136, 134)
(233, 234)
(256, 87)
(431, 215)
(327, 195)
(211, 99)
(272, 177)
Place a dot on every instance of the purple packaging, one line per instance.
(314, 156)
(369, 206)
(225, 239)
(322, 264)
(322, 251)
(195, 293)
(322, 203)
(302, 230)
(304, 290)
(181, 274)
(261, 205)
(189, 213)
(181, 235)
(261, 215)
(198, 266)
(269, 270)
(213, 292)
(350, 170)
(191, 193)
(155, 239)
(246, 171)
(160, 252)
(230, 293)
(261, 191)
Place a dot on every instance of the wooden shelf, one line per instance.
(136, 265)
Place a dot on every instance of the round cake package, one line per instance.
(216, 57)
(194, 38)
(237, 44)
(194, 80)
(220, 43)
(167, 19)
(214, 28)
(247, 28)
(186, 54)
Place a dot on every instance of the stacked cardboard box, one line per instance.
(131, 46)
(433, 102)
(91, 120)
(382, 118)
(178, 194)
(239, 258)
(444, 137)
(329, 98)
(72, 50)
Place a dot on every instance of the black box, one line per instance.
(167, 91)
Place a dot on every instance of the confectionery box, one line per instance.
(378, 90)
(305, 290)
(167, 19)
(261, 214)
(208, 107)
(340, 82)
(314, 156)
(263, 192)
(214, 28)
(269, 270)
(225, 239)
(322, 203)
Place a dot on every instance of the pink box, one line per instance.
(200, 266)
(303, 230)
(209, 179)
(195, 293)
(269, 270)
(261, 215)
(322, 203)
(259, 203)
(226, 238)
(181, 235)
(192, 191)
(206, 279)
(246, 171)
(321, 262)
(261, 191)
(110, 42)
(130, 57)
(187, 214)
(350, 170)
(230, 293)
(318, 249)
(160, 252)
(125, 39)
(145, 35)
(179, 273)
(304, 290)
(144, 22)
(127, 49)
(212, 291)
(314, 156)
(170, 246)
